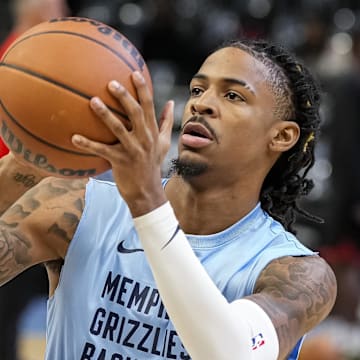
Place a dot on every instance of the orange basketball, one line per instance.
(48, 76)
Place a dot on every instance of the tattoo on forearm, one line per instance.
(27, 180)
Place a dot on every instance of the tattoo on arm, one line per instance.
(14, 251)
(14, 246)
(69, 223)
(66, 225)
(28, 180)
(19, 212)
(297, 293)
(79, 205)
(62, 199)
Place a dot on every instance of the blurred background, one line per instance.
(174, 37)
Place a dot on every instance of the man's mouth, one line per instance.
(198, 130)
(195, 134)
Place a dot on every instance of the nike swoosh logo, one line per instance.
(172, 237)
(122, 249)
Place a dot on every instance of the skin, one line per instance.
(28, 13)
(297, 293)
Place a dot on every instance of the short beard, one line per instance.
(187, 170)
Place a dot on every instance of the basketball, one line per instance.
(47, 77)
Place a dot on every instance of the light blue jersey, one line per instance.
(107, 306)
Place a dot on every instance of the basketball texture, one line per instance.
(48, 76)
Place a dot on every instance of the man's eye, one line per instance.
(195, 91)
(234, 96)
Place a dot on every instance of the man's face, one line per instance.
(228, 118)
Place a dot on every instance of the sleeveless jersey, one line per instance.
(107, 306)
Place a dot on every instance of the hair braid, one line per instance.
(298, 99)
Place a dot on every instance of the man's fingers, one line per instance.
(145, 98)
(138, 111)
(110, 120)
(166, 120)
(166, 124)
(129, 104)
(90, 146)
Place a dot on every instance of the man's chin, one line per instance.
(187, 169)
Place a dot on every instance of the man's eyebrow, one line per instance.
(200, 76)
(229, 81)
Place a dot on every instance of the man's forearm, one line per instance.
(15, 180)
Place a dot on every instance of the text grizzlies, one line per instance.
(140, 324)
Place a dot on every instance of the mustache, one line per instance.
(201, 120)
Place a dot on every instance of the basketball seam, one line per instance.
(59, 84)
(39, 138)
(74, 34)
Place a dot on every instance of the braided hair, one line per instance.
(298, 99)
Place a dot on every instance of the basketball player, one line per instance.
(203, 265)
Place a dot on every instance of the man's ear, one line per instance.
(284, 134)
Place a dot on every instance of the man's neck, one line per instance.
(210, 210)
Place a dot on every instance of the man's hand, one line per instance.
(136, 160)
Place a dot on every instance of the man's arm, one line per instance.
(39, 226)
(293, 294)
(15, 179)
(297, 293)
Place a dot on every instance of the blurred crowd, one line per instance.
(175, 35)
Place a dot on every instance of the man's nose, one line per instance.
(204, 105)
